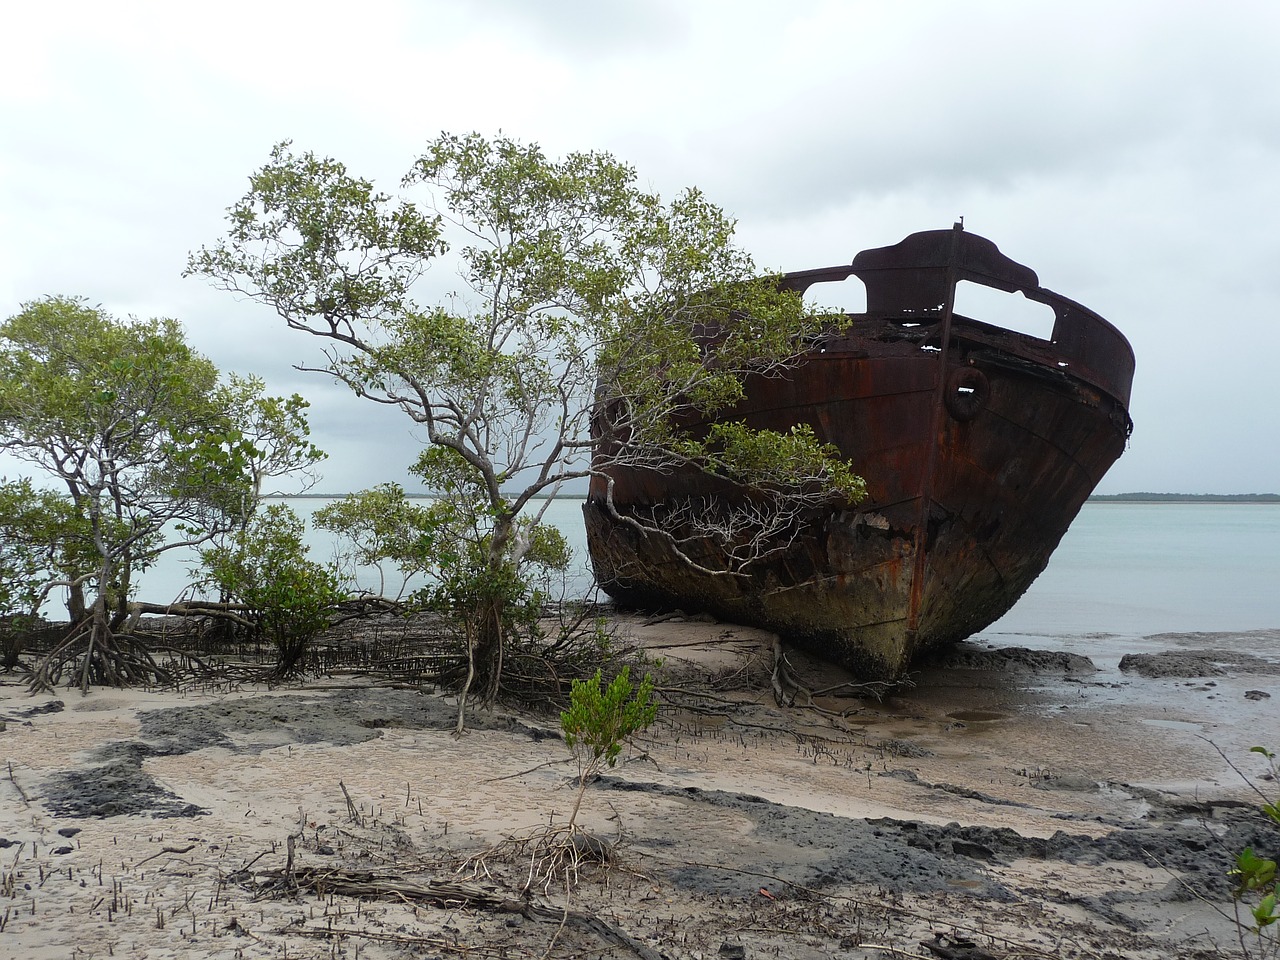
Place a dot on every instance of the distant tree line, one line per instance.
(1186, 497)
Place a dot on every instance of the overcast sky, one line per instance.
(1129, 152)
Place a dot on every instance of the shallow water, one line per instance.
(1146, 578)
(1139, 569)
(1122, 571)
(173, 574)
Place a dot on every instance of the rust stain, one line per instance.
(979, 445)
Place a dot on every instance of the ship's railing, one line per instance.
(915, 281)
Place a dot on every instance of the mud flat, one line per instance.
(1027, 802)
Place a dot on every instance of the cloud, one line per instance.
(1127, 152)
(586, 30)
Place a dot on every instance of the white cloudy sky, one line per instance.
(1129, 152)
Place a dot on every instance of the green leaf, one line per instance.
(1264, 912)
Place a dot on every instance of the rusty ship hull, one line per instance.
(978, 444)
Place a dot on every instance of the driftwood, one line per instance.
(237, 613)
(443, 893)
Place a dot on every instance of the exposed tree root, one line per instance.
(788, 690)
(92, 653)
(555, 852)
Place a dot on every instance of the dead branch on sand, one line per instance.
(440, 893)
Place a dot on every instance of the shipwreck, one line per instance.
(978, 444)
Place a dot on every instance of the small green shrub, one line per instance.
(598, 722)
(290, 597)
(1257, 886)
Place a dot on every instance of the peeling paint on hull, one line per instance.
(979, 445)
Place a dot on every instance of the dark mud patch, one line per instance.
(942, 787)
(25, 714)
(344, 718)
(116, 788)
(823, 852)
(117, 784)
(815, 850)
(907, 749)
(977, 716)
(1197, 663)
(1069, 781)
(1013, 659)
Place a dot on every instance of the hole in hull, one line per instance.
(847, 296)
(1010, 310)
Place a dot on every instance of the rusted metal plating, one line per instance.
(979, 444)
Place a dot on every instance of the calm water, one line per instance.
(1122, 569)
(171, 576)
(1141, 568)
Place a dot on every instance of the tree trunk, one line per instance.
(76, 609)
(484, 658)
(490, 623)
(487, 652)
(120, 596)
(11, 644)
(486, 628)
(97, 664)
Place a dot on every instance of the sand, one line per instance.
(1024, 802)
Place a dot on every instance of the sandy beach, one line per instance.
(1011, 803)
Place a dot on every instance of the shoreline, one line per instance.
(1013, 797)
(1157, 498)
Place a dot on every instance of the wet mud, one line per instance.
(1024, 659)
(799, 846)
(904, 856)
(114, 782)
(1091, 793)
(791, 846)
(1198, 663)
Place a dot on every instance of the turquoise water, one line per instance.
(1138, 568)
(1123, 568)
